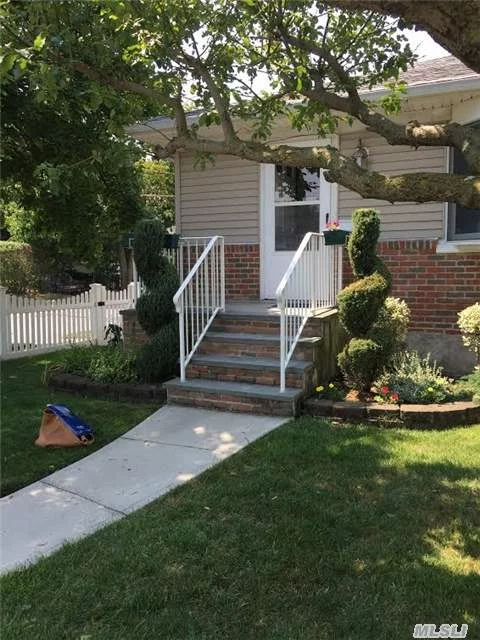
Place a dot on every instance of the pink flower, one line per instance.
(384, 390)
(394, 397)
(333, 225)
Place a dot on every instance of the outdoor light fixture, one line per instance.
(360, 155)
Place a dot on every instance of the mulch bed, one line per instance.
(131, 391)
(417, 416)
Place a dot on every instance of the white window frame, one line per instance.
(456, 245)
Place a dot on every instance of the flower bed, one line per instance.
(137, 391)
(417, 416)
(460, 402)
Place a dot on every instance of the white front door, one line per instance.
(295, 200)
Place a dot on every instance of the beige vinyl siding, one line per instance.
(222, 199)
(405, 219)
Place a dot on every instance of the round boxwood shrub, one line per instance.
(155, 309)
(360, 303)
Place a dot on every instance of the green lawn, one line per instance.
(315, 532)
(24, 397)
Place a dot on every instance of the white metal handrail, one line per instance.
(311, 282)
(200, 297)
(183, 257)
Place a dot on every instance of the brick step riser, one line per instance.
(252, 376)
(225, 402)
(239, 326)
(251, 349)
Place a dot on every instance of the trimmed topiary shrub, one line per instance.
(155, 306)
(149, 259)
(158, 358)
(360, 303)
(359, 362)
(155, 309)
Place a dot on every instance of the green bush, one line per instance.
(469, 386)
(77, 359)
(469, 325)
(155, 309)
(359, 362)
(113, 363)
(149, 239)
(157, 360)
(361, 302)
(17, 268)
(362, 242)
(390, 328)
(155, 306)
(416, 380)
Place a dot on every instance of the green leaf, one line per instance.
(6, 62)
(39, 42)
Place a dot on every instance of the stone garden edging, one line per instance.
(419, 416)
(132, 391)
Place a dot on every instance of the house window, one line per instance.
(463, 223)
(297, 205)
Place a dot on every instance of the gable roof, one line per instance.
(439, 69)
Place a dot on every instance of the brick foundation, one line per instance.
(436, 286)
(242, 271)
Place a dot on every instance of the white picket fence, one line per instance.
(35, 325)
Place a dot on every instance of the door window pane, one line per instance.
(292, 223)
(296, 184)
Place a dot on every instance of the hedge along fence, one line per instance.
(361, 302)
(17, 268)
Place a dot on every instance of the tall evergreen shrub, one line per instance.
(361, 302)
(155, 309)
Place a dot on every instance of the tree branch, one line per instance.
(221, 103)
(419, 187)
(464, 138)
(454, 25)
(121, 85)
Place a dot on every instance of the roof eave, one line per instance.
(421, 89)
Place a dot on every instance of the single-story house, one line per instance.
(432, 249)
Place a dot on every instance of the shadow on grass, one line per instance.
(314, 532)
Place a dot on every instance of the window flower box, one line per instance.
(334, 235)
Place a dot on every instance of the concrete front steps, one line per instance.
(237, 368)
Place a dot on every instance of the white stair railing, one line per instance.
(311, 282)
(183, 257)
(200, 297)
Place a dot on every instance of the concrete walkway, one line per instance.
(170, 447)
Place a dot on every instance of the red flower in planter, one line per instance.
(394, 396)
(384, 390)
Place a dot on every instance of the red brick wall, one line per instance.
(436, 286)
(242, 271)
